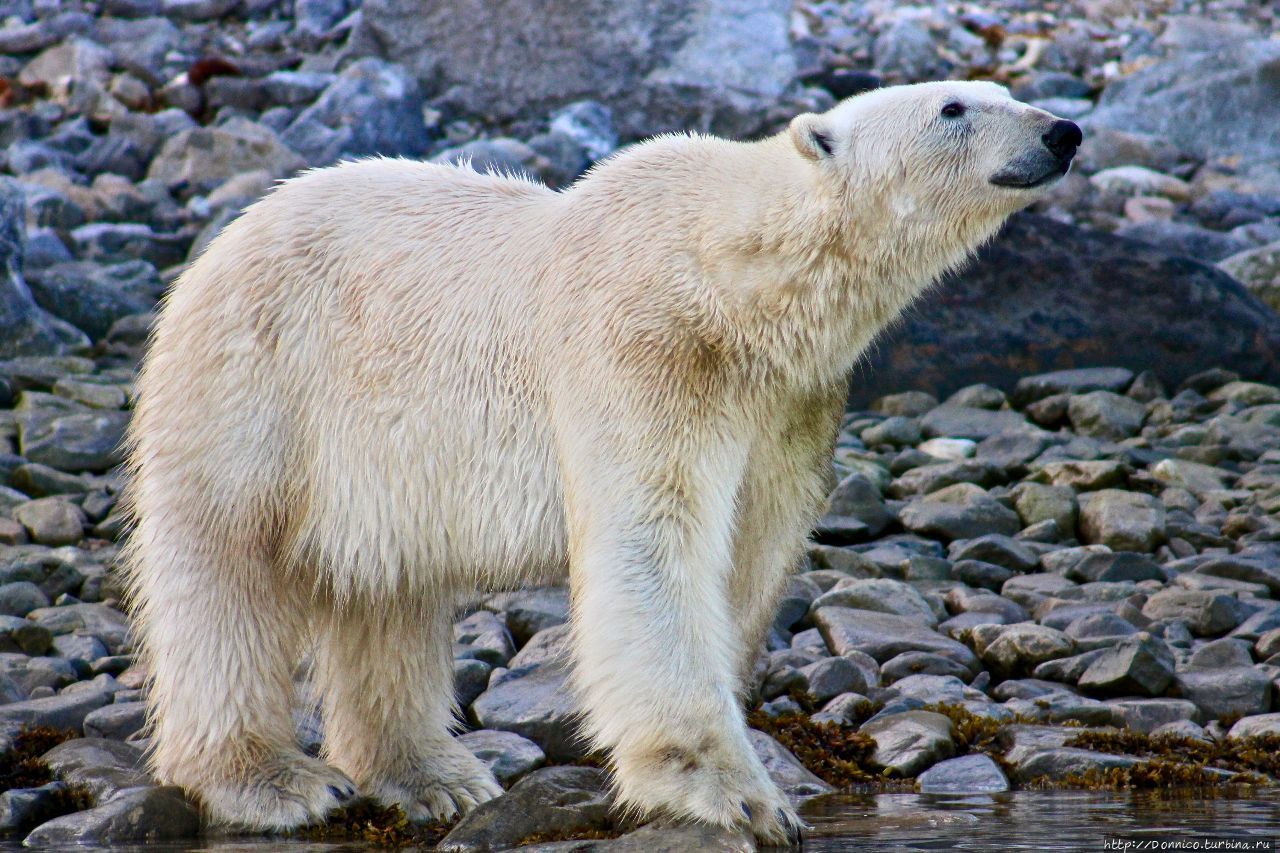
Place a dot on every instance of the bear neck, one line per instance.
(820, 271)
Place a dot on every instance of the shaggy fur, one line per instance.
(391, 384)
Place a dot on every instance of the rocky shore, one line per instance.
(1057, 578)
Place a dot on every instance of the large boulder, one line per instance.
(1046, 296)
(1232, 89)
(716, 65)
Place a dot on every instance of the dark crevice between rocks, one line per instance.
(23, 766)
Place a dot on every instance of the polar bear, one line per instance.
(391, 384)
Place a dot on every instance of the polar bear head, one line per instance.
(946, 150)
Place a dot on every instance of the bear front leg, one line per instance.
(655, 644)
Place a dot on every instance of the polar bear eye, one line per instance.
(955, 109)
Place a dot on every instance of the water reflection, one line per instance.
(1036, 820)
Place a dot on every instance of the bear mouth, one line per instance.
(1017, 181)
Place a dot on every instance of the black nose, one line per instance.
(1063, 138)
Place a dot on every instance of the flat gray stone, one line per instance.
(1207, 614)
(98, 620)
(968, 774)
(507, 755)
(795, 780)
(667, 837)
(65, 711)
(962, 511)
(884, 635)
(911, 741)
(1259, 724)
(949, 421)
(104, 766)
(1020, 648)
(1078, 381)
(1055, 763)
(84, 442)
(117, 721)
(879, 594)
(1242, 690)
(23, 808)
(135, 815)
(1123, 521)
(1147, 715)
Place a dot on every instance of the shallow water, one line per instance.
(1043, 820)
(1248, 819)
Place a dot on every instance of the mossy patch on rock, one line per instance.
(22, 765)
(381, 826)
(838, 755)
(1259, 754)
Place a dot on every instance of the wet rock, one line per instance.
(1225, 692)
(909, 742)
(666, 837)
(1141, 665)
(552, 800)
(1123, 521)
(884, 636)
(968, 774)
(534, 701)
(1057, 762)
(507, 755)
(147, 814)
(23, 808)
(962, 511)
(785, 769)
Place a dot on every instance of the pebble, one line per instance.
(911, 741)
(968, 774)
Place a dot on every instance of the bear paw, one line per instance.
(711, 787)
(445, 786)
(280, 794)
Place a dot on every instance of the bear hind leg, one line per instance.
(221, 639)
(385, 676)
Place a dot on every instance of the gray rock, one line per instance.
(833, 676)
(1056, 762)
(51, 521)
(25, 329)
(881, 594)
(1114, 566)
(99, 620)
(483, 636)
(905, 404)
(60, 712)
(21, 635)
(1207, 614)
(905, 51)
(23, 808)
(532, 610)
(1261, 724)
(52, 571)
(1077, 381)
(968, 774)
(1224, 692)
(1228, 87)
(1181, 238)
(497, 156)
(1020, 648)
(785, 769)
(19, 599)
(33, 673)
(84, 442)
(1258, 270)
(196, 10)
(909, 742)
(387, 101)
(200, 158)
(674, 65)
(1218, 654)
(1105, 414)
(897, 431)
(1123, 521)
(147, 814)
(105, 767)
(1037, 502)
(552, 800)
(884, 636)
(470, 679)
(93, 296)
(118, 241)
(1141, 665)
(856, 498)
(534, 701)
(997, 549)
(590, 125)
(1148, 715)
(507, 755)
(666, 837)
(931, 478)
(117, 721)
(951, 421)
(962, 511)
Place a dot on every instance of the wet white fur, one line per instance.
(390, 384)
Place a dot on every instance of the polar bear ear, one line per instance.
(811, 136)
